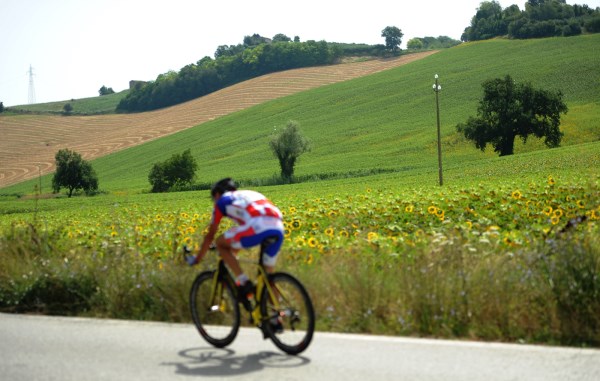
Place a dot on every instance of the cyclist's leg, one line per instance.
(267, 229)
(228, 252)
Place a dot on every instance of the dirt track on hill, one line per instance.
(28, 143)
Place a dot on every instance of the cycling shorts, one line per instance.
(254, 233)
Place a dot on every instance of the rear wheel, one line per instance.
(290, 319)
(215, 310)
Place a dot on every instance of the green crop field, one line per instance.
(105, 104)
(380, 245)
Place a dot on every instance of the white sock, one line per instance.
(242, 279)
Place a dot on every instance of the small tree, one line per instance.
(72, 172)
(287, 146)
(67, 108)
(508, 110)
(180, 169)
(105, 90)
(393, 38)
(1, 107)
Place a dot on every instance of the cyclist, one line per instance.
(258, 220)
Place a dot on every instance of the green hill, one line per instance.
(384, 121)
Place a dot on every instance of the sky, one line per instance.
(74, 47)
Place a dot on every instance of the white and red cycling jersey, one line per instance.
(258, 220)
(242, 206)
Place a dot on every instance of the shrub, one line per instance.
(179, 170)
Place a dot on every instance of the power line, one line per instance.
(31, 97)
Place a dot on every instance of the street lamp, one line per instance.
(437, 88)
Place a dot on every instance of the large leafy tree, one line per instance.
(393, 37)
(179, 169)
(510, 109)
(287, 146)
(73, 173)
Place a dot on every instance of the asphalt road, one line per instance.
(58, 348)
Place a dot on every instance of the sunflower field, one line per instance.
(511, 261)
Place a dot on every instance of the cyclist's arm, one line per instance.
(213, 227)
(208, 239)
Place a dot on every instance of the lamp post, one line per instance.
(437, 88)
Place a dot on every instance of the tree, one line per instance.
(393, 38)
(414, 43)
(280, 37)
(73, 173)
(1, 107)
(180, 169)
(508, 110)
(67, 108)
(287, 146)
(105, 90)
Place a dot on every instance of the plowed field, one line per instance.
(28, 143)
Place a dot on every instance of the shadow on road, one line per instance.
(211, 361)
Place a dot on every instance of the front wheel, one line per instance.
(215, 310)
(289, 317)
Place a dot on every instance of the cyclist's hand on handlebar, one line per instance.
(187, 255)
(191, 260)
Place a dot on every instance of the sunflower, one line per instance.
(551, 180)
(432, 210)
(300, 241)
(548, 210)
(296, 224)
(343, 233)
(516, 195)
(372, 236)
(312, 242)
(409, 208)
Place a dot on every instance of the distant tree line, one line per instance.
(441, 42)
(232, 64)
(541, 18)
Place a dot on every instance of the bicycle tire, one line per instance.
(295, 313)
(217, 321)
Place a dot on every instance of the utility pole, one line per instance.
(437, 88)
(31, 97)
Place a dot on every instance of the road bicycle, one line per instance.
(281, 309)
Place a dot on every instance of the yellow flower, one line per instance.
(329, 232)
(312, 242)
(287, 232)
(469, 225)
(292, 209)
(300, 241)
(555, 220)
(548, 210)
(309, 259)
(409, 208)
(516, 195)
(315, 225)
(558, 213)
(296, 224)
(551, 180)
(112, 234)
(372, 236)
(343, 233)
(580, 204)
(432, 210)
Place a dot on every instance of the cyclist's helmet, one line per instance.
(223, 186)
